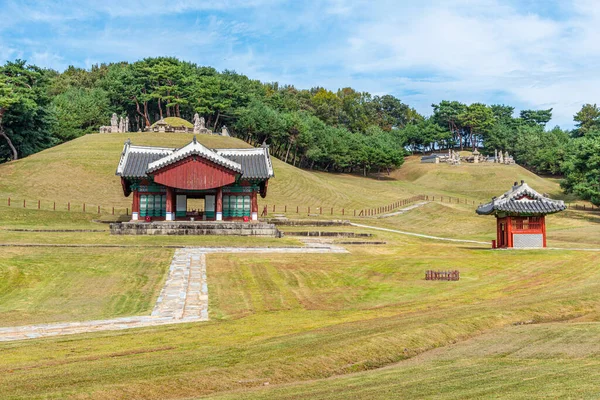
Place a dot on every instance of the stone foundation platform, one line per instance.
(260, 229)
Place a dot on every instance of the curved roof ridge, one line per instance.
(522, 199)
(194, 148)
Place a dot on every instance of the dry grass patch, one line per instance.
(42, 285)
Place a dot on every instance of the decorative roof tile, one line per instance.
(139, 161)
(193, 148)
(522, 199)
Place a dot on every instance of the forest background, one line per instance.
(344, 131)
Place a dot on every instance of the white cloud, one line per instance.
(48, 60)
(488, 50)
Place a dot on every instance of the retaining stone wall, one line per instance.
(195, 228)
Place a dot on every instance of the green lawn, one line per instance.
(524, 362)
(361, 325)
(295, 318)
(40, 285)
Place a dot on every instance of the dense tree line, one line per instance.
(313, 128)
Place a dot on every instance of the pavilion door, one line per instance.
(181, 206)
(209, 206)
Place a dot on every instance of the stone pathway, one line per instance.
(183, 298)
(403, 210)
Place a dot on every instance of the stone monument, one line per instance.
(200, 125)
(114, 121)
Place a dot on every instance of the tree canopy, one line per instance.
(344, 130)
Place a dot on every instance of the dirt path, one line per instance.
(404, 210)
(419, 234)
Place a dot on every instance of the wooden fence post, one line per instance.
(24, 204)
(331, 210)
(308, 209)
(69, 206)
(39, 204)
(113, 211)
(127, 211)
(285, 208)
(297, 209)
(98, 209)
(83, 207)
(54, 206)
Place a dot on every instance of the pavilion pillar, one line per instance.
(135, 206)
(219, 205)
(498, 232)
(509, 233)
(170, 212)
(543, 222)
(254, 206)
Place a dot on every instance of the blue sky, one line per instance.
(529, 54)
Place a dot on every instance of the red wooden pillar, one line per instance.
(170, 211)
(509, 232)
(135, 206)
(498, 232)
(254, 206)
(219, 205)
(543, 222)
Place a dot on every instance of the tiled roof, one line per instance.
(256, 163)
(194, 148)
(522, 199)
(135, 159)
(139, 161)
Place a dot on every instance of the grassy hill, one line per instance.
(83, 170)
(361, 325)
(475, 181)
(176, 122)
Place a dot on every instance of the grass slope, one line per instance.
(543, 361)
(294, 319)
(83, 170)
(176, 122)
(40, 285)
(285, 319)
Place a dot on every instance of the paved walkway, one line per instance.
(184, 297)
(403, 210)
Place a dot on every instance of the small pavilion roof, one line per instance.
(521, 200)
(140, 161)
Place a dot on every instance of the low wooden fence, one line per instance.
(339, 211)
(583, 207)
(85, 207)
(431, 275)
(69, 206)
(390, 207)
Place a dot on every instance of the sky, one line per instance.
(529, 54)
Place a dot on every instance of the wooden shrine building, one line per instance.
(521, 216)
(163, 179)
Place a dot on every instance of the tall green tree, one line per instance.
(587, 119)
(446, 114)
(26, 120)
(80, 111)
(582, 168)
(536, 117)
(478, 119)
